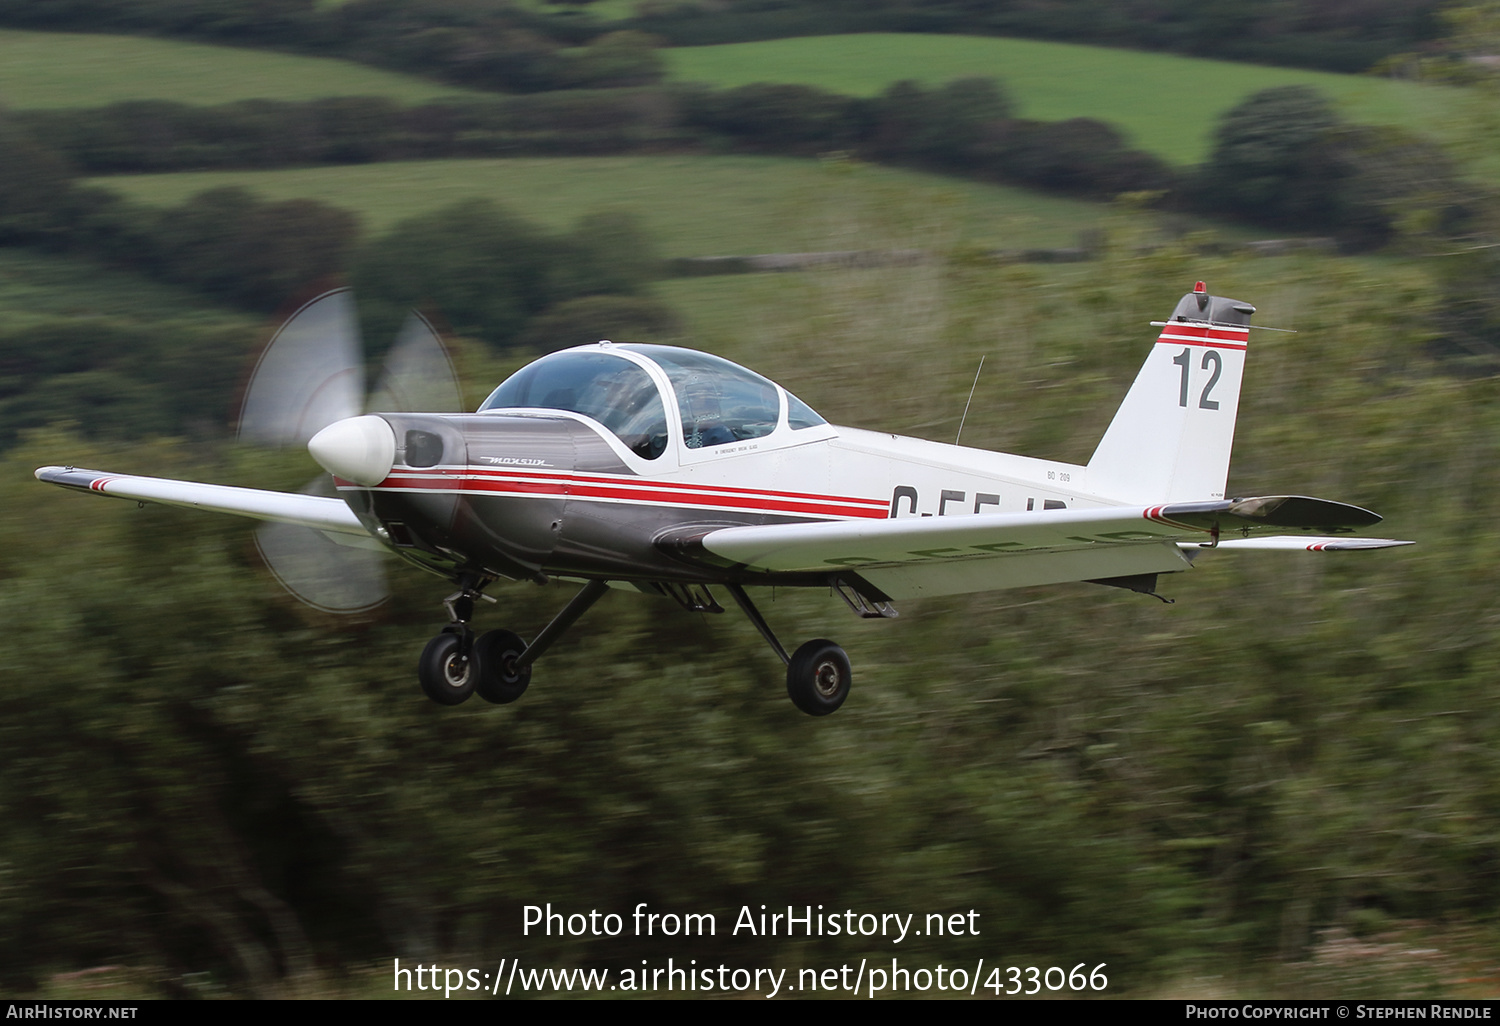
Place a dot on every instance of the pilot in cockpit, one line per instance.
(702, 413)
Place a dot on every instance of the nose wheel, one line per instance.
(497, 664)
(448, 670)
(451, 671)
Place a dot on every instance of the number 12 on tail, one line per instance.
(1210, 356)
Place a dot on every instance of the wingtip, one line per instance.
(68, 475)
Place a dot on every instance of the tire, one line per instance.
(446, 679)
(498, 681)
(818, 677)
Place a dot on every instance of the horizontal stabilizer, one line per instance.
(322, 513)
(1291, 512)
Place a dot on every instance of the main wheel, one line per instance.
(447, 677)
(500, 681)
(818, 677)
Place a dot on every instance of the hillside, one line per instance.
(1166, 104)
(694, 205)
(55, 69)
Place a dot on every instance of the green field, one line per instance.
(54, 69)
(1165, 104)
(693, 206)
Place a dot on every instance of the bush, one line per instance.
(617, 59)
(775, 118)
(1080, 155)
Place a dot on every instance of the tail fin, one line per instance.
(1170, 439)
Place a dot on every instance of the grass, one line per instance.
(55, 69)
(694, 205)
(1165, 104)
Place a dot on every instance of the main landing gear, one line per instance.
(817, 674)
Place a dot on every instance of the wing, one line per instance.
(911, 557)
(322, 513)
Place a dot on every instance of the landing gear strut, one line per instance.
(818, 675)
(497, 664)
(448, 670)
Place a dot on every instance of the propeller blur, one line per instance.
(674, 473)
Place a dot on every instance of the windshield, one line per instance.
(603, 386)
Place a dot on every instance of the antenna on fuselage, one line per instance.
(966, 405)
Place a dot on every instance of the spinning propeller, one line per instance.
(310, 376)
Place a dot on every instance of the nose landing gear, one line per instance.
(497, 664)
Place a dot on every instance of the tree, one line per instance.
(227, 243)
(488, 271)
(946, 126)
(1274, 160)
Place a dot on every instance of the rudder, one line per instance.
(1171, 438)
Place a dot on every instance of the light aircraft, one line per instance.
(675, 473)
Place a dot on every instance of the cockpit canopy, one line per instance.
(717, 402)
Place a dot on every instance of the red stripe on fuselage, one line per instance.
(486, 481)
(638, 482)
